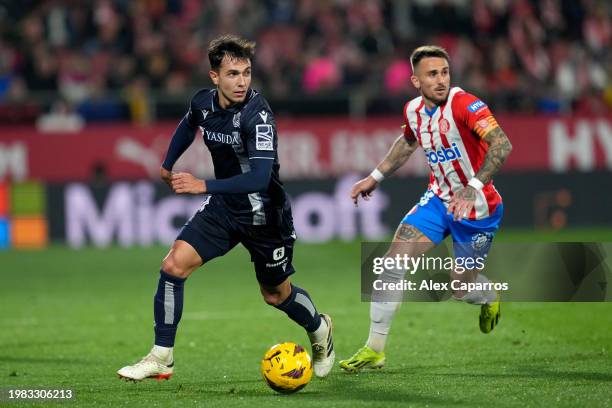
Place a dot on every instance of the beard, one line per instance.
(438, 100)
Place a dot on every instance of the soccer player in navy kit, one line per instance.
(246, 203)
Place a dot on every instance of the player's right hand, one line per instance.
(363, 188)
(166, 176)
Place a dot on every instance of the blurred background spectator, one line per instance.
(142, 59)
(61, 118)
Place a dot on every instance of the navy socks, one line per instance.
(167, 308)
(300, 308)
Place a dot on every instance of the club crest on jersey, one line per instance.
(446, 154)
(236, 120)
(444, 125)
(476, 106)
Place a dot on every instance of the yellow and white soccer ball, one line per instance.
(286, 367)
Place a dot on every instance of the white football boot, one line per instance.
(323, 354)
(151, 366)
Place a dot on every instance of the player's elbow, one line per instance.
(261, 184)
(260, 180)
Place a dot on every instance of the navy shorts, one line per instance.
(213, 232)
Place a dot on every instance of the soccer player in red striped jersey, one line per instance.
(465, 147)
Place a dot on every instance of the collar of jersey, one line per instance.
(432, 112)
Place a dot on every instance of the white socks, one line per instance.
(163, 354)
(480, 297)
(381, 315)
(318, 335)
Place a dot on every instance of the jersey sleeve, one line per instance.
(474, 113)
(195, 114)
(259, 129)
(184, 134)
(408, 133)
(255, 180)
(181, 139)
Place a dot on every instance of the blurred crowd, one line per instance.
(521, 55)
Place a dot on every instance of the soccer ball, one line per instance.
(286, 367)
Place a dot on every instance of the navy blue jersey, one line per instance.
(234, 136)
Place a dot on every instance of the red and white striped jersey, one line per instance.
(451, 137)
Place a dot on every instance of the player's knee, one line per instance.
(171, 267)
(458, 294)
(275, 295)
(273, 299)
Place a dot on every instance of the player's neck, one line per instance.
(429, 104)
(224, 103)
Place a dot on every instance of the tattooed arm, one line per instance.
(499, 148)
(399, 153)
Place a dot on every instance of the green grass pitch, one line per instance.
(71, 318)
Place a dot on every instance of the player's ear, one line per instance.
(214, 76)
(415, 82)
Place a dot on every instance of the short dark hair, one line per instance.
(427, 51)
(232, 46)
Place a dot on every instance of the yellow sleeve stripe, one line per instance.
(484, 126)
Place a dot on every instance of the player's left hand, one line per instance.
(462, 203)
(186, 183)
